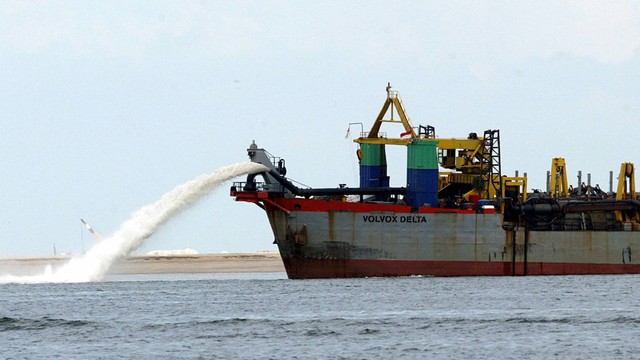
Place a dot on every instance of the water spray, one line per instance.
(95, 264)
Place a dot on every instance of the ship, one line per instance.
(458, 215)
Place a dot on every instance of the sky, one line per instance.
(105, 106)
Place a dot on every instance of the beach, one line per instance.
(167, 264)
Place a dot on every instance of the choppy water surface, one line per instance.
(267, 316)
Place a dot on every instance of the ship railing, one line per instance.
(259, 187)
(428, 133)
(381, 134)
(574, 225)
(274, 159)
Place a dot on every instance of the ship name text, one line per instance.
(394, 219)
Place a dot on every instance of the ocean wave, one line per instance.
(15, 324)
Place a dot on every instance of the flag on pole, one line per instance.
(405, 134)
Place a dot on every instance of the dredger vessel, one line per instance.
(456, 216)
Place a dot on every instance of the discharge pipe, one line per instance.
(324, 191)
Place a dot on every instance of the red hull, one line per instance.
(302, 268)
(336, 239)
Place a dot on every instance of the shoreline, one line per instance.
(158, 264)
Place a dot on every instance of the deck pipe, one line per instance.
(383, 191)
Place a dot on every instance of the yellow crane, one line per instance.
(475, 159)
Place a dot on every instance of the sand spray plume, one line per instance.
(95, 264)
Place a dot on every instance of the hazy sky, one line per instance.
(105, 106)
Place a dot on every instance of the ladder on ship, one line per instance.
(490, 164)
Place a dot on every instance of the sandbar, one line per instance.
(165, 264)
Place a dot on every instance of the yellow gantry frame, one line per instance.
(626, 181)
(393, 101)
(558, 184)
(519, 182)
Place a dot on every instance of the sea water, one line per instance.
(71, 314)
(266, 316)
